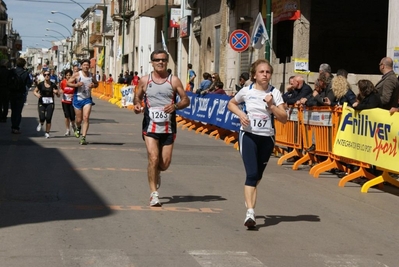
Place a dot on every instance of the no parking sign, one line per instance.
(239, 40)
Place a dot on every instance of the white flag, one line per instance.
(259, 34)
(163, 43)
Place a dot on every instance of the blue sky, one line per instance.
(30, 19)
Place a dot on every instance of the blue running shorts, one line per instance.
(79, 104)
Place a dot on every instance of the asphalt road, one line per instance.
(63, 204)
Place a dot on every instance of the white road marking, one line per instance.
(346, 261)
(95, 257)
(208, 258)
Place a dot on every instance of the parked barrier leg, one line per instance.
(325, 166)
(186, 125)
(214, 133)
(328, 164)
(205, 131)
(385, 177)
(301, 161)
(199, 129)
(181, 122)
(192, 127)
(236, 146)
(293, 153)
(359, 173)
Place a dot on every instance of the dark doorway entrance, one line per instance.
(348, 34)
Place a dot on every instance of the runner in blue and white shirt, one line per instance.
(83, 82)
(262, 103)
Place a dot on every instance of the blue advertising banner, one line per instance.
(211, 109)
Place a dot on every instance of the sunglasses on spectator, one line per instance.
(213, 77)
(159, 60)
(46, 74)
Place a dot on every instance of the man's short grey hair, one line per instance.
(325, 68)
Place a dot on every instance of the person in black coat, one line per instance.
(4, 90)
(368, 96)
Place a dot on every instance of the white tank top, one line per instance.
(84, 91)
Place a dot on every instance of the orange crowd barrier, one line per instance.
(289, 135)
(318, 126)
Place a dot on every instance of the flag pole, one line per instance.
(268, 26)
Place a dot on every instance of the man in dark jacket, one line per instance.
(17, 95)
(318, 97)
(388, 86)
(4, 90)
(302, 90)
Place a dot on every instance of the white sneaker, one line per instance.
(250, 222)
(154, 199)
(67, 133)
(39, 127)
(47, 135)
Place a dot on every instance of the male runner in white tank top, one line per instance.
(83, 81)
(159, 91)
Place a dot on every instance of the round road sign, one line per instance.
(239, 40)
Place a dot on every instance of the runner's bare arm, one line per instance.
(139, 94)
(72, 81)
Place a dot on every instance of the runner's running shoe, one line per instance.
(39, 127)
(67, 133)
(47, 135)
(250, 222)
(154, 199)
(77, 133)
(83, 141)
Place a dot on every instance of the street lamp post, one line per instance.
(73, 24)
(47, 35)
(45, 40)
(78, 4)
(57, 12)
(51, 21)
(47, 29)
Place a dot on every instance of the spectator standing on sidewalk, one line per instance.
(159, 122)
(388, 86)
(4, 90)
(136, 79)
(256, 138)
(18, 93)
(110, 79)
(191, 76)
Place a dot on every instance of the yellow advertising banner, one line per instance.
(369, 136)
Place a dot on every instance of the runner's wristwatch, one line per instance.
(176, 107)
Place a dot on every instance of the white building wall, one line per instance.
(393, 29)
(145, 45)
